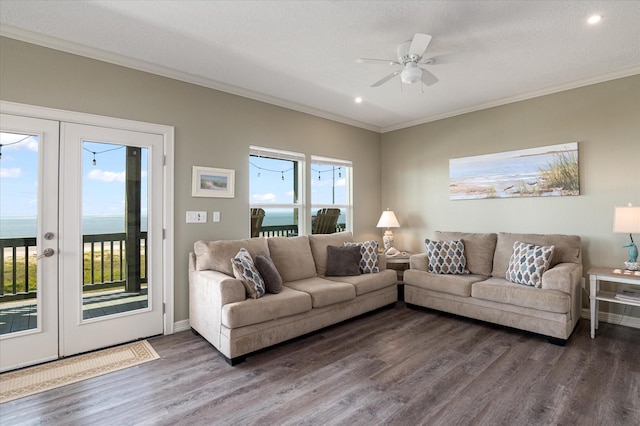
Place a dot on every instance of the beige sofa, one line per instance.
(551, 310)
(220, 311)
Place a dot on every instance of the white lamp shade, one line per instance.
(626, 220)
(388, 220)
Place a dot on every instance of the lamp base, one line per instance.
(632, 266)
(387, 239)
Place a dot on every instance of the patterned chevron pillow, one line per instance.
(446, 257)
(369, 260)
(245, 270)
(528, 262)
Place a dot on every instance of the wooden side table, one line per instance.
(399, 263)
(595, 295)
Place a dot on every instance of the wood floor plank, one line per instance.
(395, 367)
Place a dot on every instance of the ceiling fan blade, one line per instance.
(428, 78)
(419, 44)
(385, 79)
(377, 61)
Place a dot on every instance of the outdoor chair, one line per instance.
(326, 221)
(257, 216)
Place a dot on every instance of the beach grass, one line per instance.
(31, 270)
(562, 173)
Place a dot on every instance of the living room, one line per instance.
(405, 169)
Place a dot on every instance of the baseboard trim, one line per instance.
(626, 320)
(181, 326)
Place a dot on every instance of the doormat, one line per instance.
(31, 380)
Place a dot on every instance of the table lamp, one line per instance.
(627, 219)
(388, 220)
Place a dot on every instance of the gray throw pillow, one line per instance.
(343, 261)
(269, 273)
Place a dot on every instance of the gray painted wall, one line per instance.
(604, 118)
(212, 128)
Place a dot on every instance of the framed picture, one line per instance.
(210, 182)
(548, 171)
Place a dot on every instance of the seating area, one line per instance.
(246, 295)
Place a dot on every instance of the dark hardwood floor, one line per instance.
(395, 366)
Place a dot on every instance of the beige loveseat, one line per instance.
(220, 311)
(551, 310)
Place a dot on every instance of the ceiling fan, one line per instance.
(410, 56)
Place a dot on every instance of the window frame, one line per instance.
(300, 202)
(347, 165)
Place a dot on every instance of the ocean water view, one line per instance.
(277, 217)
(22, 227)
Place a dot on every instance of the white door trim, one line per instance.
(167, 132)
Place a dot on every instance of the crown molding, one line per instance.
(626, 72)
(140, 65)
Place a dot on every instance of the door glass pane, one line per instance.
(19, 165)
(114, 228)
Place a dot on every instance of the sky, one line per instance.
(103, 184)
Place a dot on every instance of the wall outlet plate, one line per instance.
(216, 216)
(196, 217)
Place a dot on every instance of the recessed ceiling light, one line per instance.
(594, 19)
(358, 100)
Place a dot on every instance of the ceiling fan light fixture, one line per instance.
(411, 74)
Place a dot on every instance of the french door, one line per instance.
(91, 275)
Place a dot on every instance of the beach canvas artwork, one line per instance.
(548, 171)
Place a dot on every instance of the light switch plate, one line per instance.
(196, 217)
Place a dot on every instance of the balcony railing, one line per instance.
(288, 230)
(104, 264)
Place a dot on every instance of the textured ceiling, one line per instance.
(301, 54)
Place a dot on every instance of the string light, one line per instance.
(100, 152)
(332, 170)
(262, 169)
(12, 143)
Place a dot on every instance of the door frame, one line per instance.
(167, 133)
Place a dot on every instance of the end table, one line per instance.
(399, 263)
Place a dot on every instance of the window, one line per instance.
(276, 187)
(331, 189)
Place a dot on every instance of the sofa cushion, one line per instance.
(292, 257)
(319, 244)
(215, 255)
(478, 249)
(366, 283)
(324, 292)
(503, 291)
(460, 285)
(267, 308)
(343, 261)
(269, 273)
(528, 262)
(446, 257)
(567, 249)
(369, 256)
(245, 270)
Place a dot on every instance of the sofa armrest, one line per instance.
(563, 277)
(419, 261)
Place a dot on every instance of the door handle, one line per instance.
(46, 253)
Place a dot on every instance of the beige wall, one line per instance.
(605, 120)
(212, 129)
